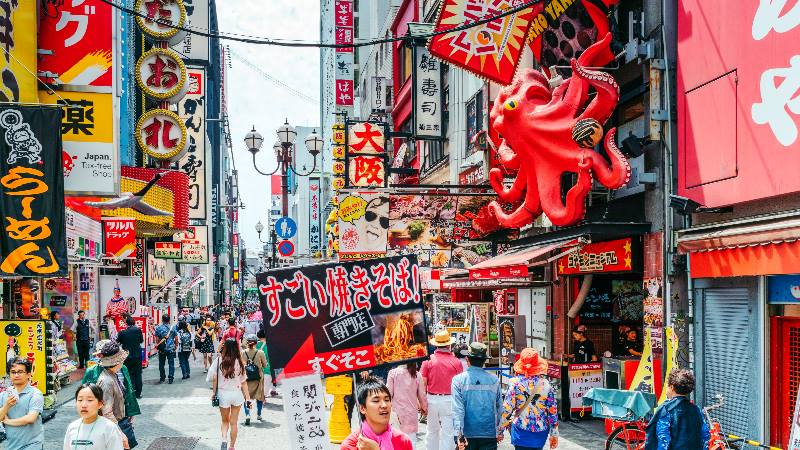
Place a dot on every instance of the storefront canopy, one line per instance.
(753, 246)
(515, 264)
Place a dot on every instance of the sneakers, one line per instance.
(171, 380)
(224, 446)
(247, 421)
(258, 418)
(273, 392)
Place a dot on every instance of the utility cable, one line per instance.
(289, 43)
(272, 79)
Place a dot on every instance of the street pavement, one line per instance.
(183, 409)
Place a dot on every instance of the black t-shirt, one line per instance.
(632, 345)
(583, 351)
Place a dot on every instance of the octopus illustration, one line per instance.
(548, 132)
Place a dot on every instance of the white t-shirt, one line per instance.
(234, 383)
(102, 434)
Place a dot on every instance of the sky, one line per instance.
(256, 101)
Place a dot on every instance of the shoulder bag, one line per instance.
(215, 397)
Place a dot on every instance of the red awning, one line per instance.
(747, 248)
(515, 264)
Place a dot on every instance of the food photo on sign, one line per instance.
(339, 318)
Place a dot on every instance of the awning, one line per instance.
(749, 247)
(515, 264)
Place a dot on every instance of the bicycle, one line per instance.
(717, 440)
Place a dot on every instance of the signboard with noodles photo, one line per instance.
(341, 318)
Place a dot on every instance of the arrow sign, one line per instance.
(285, 228)
(285, 248)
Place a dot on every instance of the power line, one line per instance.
(289, 43)
(274, 80)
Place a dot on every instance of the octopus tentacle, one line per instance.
(619, 172)
(604, 103)
(511, 194)
(507, 156)
(572, 210)
(529, 210)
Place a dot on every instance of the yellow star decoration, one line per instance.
(560, 267)
(628, 261)
(627, 247)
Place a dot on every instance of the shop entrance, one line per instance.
(785, 374)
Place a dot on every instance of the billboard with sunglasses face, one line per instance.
(363, 225)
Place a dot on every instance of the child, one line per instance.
(678, 424)
(92, 431)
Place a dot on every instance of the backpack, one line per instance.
(186, 342)
(251, 370)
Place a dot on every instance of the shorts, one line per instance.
(230, 397)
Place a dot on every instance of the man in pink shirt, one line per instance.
(437, 377)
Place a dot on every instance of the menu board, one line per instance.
(599, 301)
(582, 378)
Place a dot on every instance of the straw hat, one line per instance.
(530, 363)
(441, 338)
(112, 354)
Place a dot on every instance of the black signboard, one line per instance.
(338, 318)
(33, 240)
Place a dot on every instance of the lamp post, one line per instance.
(283, 151)
(273, 238)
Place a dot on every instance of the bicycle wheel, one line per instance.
(626, 438)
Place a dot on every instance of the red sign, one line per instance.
(141, 322)
(343, 13)
(344, 36)
(520, 271)
(344, 92)
(491, 50)
(744, 61)
(78, 34)
(611, 256)
(120, 237)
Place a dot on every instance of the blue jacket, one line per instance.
(677, 425)
(477, 403)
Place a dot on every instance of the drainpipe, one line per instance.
(582, 293)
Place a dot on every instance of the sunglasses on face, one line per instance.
(371, 216)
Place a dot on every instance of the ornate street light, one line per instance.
(253, 140)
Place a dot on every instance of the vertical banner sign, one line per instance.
(343, 21)
(378, 88)
(491, 50)
(119, 234)
(304, 406)
(90, 157)
(194, 46)
(193, 114)
(33, 241)
(28, 339)
(338, 318)
(139, 270)
(427, 95)
(78, 36)
(366, 154)
(314, 230)
(18, 62)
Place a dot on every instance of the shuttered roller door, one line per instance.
(728, 358)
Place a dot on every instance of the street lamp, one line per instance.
(283, 151)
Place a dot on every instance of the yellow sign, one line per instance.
(352, 208)
(18, 62)
(338, 167)
(338, 152)
(338, 183)
(338, 136)
(89, 118)
(26, 339)
(671, 344)
(643, 379)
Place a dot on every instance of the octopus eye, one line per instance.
(511, 105)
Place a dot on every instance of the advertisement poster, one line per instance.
(28, 339)
(142, 323)
(120, 237)
(90, 157)
(194, 245)
(119, 295)
(80, 42)
(363, 224)
(491, 50)
(192, 111)
(32, 200)
(84, 236)
(26, 294)
(653, 308)
(340, 318)
(583, 377)
(18, 62)
(304, 406)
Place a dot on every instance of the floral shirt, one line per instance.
(539, 415)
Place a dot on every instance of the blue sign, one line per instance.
(783, 289)
(285, 248)
(285, 228)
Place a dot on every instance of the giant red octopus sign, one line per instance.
(546, 132)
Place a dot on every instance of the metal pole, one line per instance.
(273, 238)
(285, 181)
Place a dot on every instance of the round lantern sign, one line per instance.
(338, 183)
(338, 152)
(161, 20)
(161, 134)
(161, 74)
(338, 167)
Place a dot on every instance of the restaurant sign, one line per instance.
(610, 256)
(168, 250)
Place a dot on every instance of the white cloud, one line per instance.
(254, 100)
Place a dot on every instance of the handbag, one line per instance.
(215, 397)
(251, 370)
